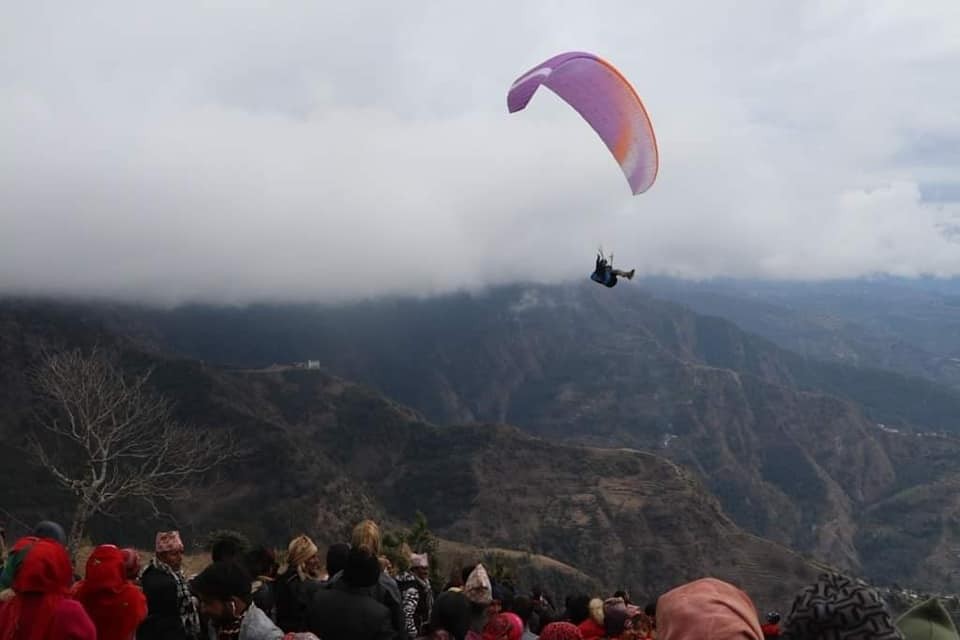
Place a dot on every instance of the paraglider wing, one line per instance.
(607, 101)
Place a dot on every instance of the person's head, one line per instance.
(314, 566)
(169, 549)
(45, 568)
(51, 531)
(523, 607)
(642, 624)
(561, 631)
(822, 610)
(420, 565)
(362, 570)
(304, 557)
(39, 569)
(477, 587)
(451, 613)
(503, 626)
(623, 595)
(707, 609)
(455, 578)
(578, 608)
(504, 594)
(228, 546)
(773, 618)
(546, 615)
(337, 558)
(366, 535)
(105, 569)
(617, 619)
(261, 562)
(651, 611)
(596, 610)
(131, 563)
(224, 591)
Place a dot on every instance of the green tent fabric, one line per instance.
(928, 621)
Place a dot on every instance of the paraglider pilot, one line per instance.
(605, 274)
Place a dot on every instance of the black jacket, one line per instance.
(292, 596)
(163, 607)
(265, 597)
(387, 593)
(341, 612)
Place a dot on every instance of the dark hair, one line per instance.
(337, 555)
(578, 608)
(544, 617)
(503, 592)
(651, 609)
(362, 570)
(222, 581)
(523, 607)
(615, 621)
(451, 613)
(227, 545)
(466, 571)
(622, 594)
(261, 561)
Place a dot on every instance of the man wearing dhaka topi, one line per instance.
(171, 609)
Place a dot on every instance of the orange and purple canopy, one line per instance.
(607, 101)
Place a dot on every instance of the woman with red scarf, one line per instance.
(41, 608)
(116, 606)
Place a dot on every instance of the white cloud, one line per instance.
(304, 150)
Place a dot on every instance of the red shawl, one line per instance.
(116, 606)
(40, 610)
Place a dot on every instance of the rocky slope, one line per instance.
(800, 451)
(324, 452)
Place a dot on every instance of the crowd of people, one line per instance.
(351, 594)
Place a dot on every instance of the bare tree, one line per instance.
(107, 436)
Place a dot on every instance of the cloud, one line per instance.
(301, 151)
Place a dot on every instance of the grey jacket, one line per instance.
(256, 625)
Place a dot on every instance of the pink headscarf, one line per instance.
(419, 561)
(169, 541)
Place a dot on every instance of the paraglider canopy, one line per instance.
(606, 100)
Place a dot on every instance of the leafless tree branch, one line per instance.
(107, 436)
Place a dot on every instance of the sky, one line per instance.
(315, 151)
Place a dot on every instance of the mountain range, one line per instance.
(648, 443)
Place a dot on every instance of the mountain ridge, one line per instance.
(327, 452)
(769, 432)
